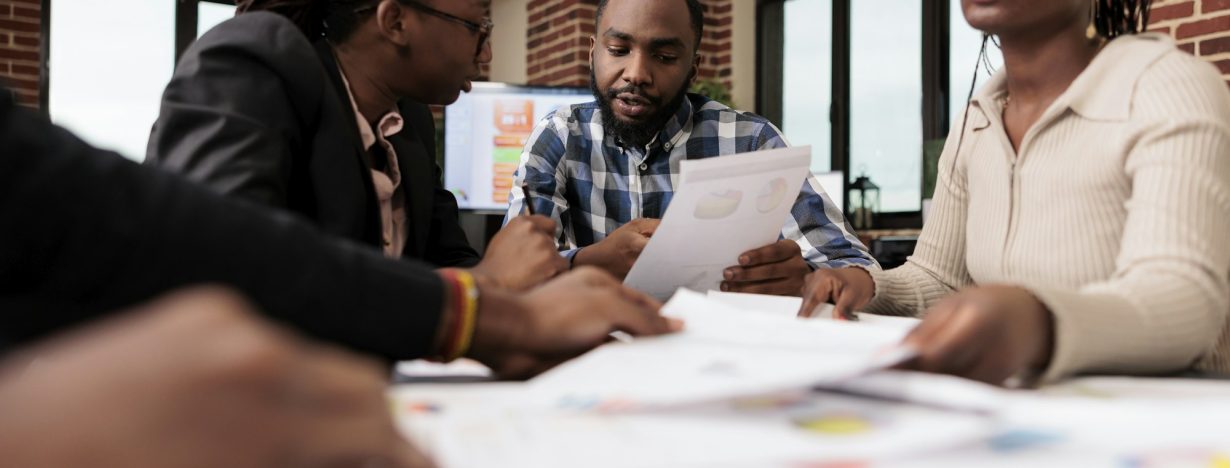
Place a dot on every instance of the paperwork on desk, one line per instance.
(723, 352)
(686, 417)
(788, 306)
(722, 207)
(486, 425)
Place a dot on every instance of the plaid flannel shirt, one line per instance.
(591, 184)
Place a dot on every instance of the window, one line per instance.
(964, 45)
(886, 99)
(807, 78)
(209, 14)
(108, 67)
(879, 81)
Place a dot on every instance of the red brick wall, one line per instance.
(715, 46)
(557, 41)
(1201, 27)
(21, 48)
(558, 32)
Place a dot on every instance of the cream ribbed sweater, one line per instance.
(1115, 214)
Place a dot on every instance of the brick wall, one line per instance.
(558, 32)
(1201, 27)
(21, 48)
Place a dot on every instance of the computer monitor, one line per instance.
(485, 132)
(833, 184)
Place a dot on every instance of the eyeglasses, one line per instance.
(482, 30)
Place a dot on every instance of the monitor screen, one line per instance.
(485, 132)
(832, 184)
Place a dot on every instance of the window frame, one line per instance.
(186, 16)
(44, 78)
(770, 45)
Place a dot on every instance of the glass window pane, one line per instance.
(886, 99)
(209, 14)
(807, 76)
(108, 68)
(964, 43)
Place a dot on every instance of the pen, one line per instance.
(525, 192)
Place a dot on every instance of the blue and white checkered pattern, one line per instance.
(591, 184)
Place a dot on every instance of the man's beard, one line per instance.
(631, 133)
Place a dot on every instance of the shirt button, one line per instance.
(668, 147)
(643, 166)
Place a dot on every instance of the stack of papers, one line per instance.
(722, 353)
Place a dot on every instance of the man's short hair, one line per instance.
(695, 9)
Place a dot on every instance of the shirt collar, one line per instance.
(678, 122)
(1103, 91)
(389, 124)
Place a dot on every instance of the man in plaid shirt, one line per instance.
(605, 171)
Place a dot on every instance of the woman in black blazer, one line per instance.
(261, 108)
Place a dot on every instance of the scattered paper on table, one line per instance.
(788, 306)
(722, 353)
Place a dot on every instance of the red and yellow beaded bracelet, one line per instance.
(463, 293)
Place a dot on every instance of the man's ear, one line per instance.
(695, 68)
(394, 23)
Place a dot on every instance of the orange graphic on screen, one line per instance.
(514, 120)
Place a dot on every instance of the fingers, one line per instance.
(779, 251)
(342, 416)
(407, 456)
(645, 226)
(538, 223)
(947, 345)
(817, 289)
(634, 317)
(788, 268)
(591, 276)
(776, 287)
(782, 276)
(637, 245)
(640, 298)
(639, 321)
(844, 303)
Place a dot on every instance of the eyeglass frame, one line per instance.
(483, 29)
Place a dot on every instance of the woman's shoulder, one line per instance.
(265, 38)
(1176, 80)
(1145, 76)
(248, 56)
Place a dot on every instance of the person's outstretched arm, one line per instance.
(86, 232)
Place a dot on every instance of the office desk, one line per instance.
(1094, 421)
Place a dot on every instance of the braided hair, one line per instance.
(334, 19)
(1114, 18)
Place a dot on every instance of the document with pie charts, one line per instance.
(722, 207)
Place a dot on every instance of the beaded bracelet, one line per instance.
(464, 295)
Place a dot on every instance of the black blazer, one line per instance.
(254, 110)
(84, 232)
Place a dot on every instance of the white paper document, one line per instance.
(722, 353)
(722, 207)
(788, 306)
(461, 369)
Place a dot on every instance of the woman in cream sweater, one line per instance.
(1081, 218)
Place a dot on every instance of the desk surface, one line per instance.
(1093, 421)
